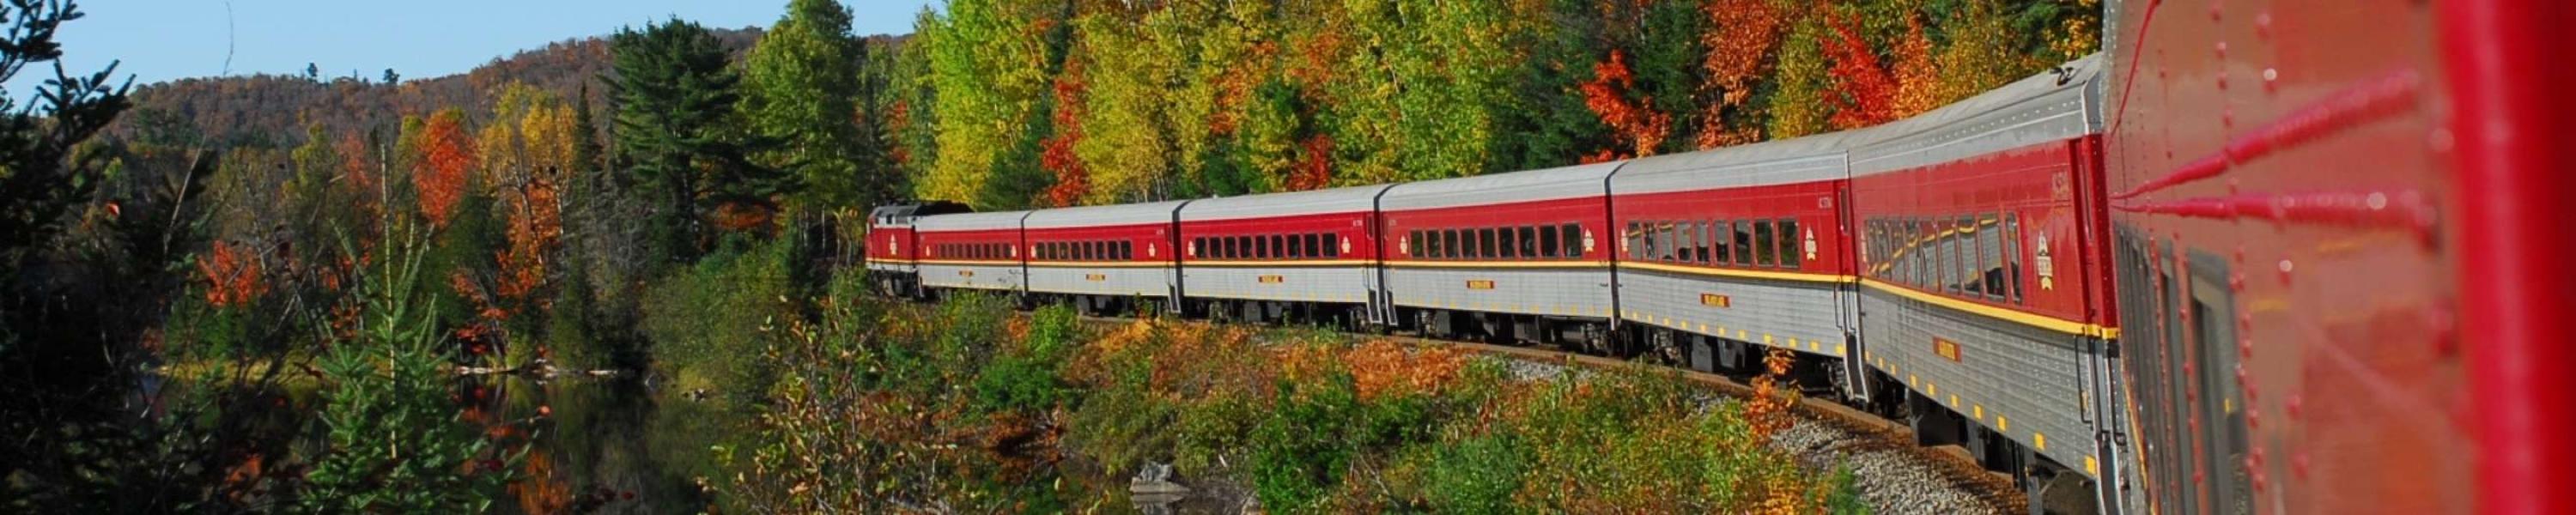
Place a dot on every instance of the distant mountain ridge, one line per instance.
(272, 110)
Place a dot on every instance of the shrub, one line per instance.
(708, 321)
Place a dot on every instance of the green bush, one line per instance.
(1022, 377)
(1475, 474)
(1300, 451)
(708, 322)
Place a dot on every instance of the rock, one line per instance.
(1156, 479)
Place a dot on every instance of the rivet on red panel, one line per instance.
(2299, 466)
(2245, 348)
(2286, 268)
(2271, 80)
(2221, 49)
(2296, 403)
(2263, 25)
(2214, 11)
(2236, 283)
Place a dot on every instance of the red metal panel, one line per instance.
(2507, 76)
(2038, 184)
(1591, 212)
(2302, 149)
(1152, 241)
(1351, 227)
(1813, 204)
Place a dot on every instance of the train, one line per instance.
(2255, 257)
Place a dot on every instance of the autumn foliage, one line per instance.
(1864, 95)
(1056, 154)
(444, 167)
(1610, 95)
(232, 273)
(1739, 55)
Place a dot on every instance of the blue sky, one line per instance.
(160, 40)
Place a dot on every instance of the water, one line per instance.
(601, 445)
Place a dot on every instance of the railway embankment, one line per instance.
(968, 406)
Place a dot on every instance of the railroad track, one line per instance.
(1843, 435)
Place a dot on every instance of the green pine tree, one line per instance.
(677, 125)
(802, 87)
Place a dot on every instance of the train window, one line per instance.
(1571, 235)
(1547, 242)
(1659, 241)
(1719, 232)
(1299, 245)
(1948, 256)
(1792, 245)
(1278, 246)
(1332, 245)
(1712, 242)
(1448, 243)
(1504, 243)
(1766, 244)
(1685, 241)
(1528, 243)
(1972, 262)
(1635, 240)
(1126, 250)
(1966, 252)
(1990, 256)
(1740, 241)
(1413, 243)
(1316, 246)
(2012, 255)
(1485, 243)
(1910, 266)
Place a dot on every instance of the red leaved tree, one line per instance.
(1314, 168)
(1055, 154)
(1918, 80)
(1630, 119)
(232, 274)
(447, 159)
(1740, 41)
(1863, 94)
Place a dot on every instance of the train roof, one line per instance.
(1097, 216)
(1530, 186)
(1313, 202)
(1806, 159)
(2050, 106)
(970, 221)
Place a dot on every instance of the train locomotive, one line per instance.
(2261, 314)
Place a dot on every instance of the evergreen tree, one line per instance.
(801, 87)
(676, 123)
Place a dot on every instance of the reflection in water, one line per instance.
(600, 445)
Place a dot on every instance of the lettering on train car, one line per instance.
(965, 273)
(1480, 284)
(1715, 300)
(1946, 348)
(1095, 277)
(1273, 279)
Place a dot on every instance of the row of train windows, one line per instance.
(1974, 256)
(1765, 243)
(974, 250)
(1522, 242)
(1087, 250)
(1275, 246)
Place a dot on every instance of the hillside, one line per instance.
(271, 110)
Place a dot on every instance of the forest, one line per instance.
(259, 293)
